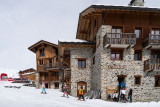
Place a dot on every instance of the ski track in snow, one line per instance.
(31, 97)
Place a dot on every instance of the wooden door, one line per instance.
(83, 85)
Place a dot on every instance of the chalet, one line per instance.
(48, 66)
(122, 44)
(28, 74)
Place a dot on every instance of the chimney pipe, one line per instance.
(136, 3)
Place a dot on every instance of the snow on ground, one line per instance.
(31, 97)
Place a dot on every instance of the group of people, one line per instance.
(121, 95)
(116, 97)
(65, 93)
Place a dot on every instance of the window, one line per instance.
(155, 34)
(157, 81)
(138, 32)
(41, 52)
(116, 55)
(93, 60)
(137, 80)
(81, 63)
(137, 55)
(40, 62)
(116, 30)
(56, 85)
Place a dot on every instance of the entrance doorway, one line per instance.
(121, 78)
(46, 85)
(83, 85)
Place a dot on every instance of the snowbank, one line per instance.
(31, 97)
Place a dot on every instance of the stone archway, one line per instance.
(81, 84)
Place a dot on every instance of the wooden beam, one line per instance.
(49, 82)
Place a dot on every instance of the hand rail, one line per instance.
(120, 38)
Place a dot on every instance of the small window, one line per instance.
(41, 52)
(137, 80)
(93, 60)
(157, 81)
(116, 55)
(40, 62)
(81, 63)
(138, 32)
(137, 55)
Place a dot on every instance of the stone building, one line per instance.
(121, 43)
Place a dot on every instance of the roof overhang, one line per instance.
(34, 47)
(85, 16)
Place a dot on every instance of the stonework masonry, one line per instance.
(103, 76)
(79, 74)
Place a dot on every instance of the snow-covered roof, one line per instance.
(29, 73)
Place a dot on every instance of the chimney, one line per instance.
(136, 3)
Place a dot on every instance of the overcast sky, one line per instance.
(25, 22)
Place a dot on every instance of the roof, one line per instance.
(80, 44)
(86, 15)
(33, 48)
(123, 8)
(28, 69)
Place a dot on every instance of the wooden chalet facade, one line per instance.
(48, 66)
(28, 74)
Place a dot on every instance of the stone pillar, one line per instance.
(37, 80)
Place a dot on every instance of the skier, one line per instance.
(122, 85)
(130, 95)
(115, 96)
(108, 97)
(43, 88)
(81, 94)
(123, 94)
(65, 90)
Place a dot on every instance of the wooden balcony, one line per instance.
(151, 41)
(152, 65)
(50, 66)
(119, 40)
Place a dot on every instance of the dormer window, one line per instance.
(41, 52)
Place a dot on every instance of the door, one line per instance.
(155, 56)
(83, 85)
(50, 63)
(46, 85)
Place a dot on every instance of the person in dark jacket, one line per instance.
(130, 95)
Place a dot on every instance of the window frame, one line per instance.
(140, 33)
(139, 55)
(81, 59)
(139, 77)
(157, 76)
(41, 62)
(43, 51)
(115, 52)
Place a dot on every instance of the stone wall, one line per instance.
(78, 74)
(103, 76)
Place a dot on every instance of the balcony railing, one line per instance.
(50, 65)
(151, 39)
(152, 64)
(119, 39)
